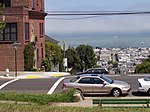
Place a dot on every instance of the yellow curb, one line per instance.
(57, 74)
(32, 76)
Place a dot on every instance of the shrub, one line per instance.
(28, 57)
(35, 69)
(46, 64)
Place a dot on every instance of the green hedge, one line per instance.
(41, 99)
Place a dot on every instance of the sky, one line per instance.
(76, 30)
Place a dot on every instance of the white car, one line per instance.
(144, 85)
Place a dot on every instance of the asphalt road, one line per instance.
(44, 85)
(29, 85)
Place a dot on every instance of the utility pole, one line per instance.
(64, 47)
(15, 45)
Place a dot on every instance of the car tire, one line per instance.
(116, 92)
(80, 92)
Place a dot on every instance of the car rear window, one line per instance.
(74, 79)
(147, 78)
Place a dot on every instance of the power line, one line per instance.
(77, 18)
(90, 14)
(83, 13)
(87, 11)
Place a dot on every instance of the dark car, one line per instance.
(94, 71)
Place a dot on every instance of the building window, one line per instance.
(32, 4)
(37, 54)
(41, 30)
(37, 3)
(26, 31)
(9, 33)
(41, 5)
(5, 2)
(42, 52)
(1, 36)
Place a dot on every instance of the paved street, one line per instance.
(44, 85)
(29, 85)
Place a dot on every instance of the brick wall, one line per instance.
(20, 15)
(7, 57)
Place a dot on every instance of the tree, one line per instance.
(28, 57)
(143, 67)
(46, 64)
(53, 55)
(73, 59)
(87, 56)
(2, 23)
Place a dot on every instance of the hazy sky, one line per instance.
(67, 29)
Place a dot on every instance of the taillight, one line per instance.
(64, 85)
(140, 84)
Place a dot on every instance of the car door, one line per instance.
(85, 85)
(100, 86)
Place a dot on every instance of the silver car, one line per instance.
(96, 84)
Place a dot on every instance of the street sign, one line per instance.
(65, 62)
(64, 46)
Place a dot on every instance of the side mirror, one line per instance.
(104, 83)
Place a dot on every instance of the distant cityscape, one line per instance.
(125, 59)
(106, 40)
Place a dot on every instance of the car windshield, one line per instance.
(147, 78)
(74, 79)
(107, 79)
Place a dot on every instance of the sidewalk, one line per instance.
(30, 75)
(88, 102)
(83, 103)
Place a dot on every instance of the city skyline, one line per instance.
(80, 30)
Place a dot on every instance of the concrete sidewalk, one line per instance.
(33, 74)
(83, 103)
(88, 102)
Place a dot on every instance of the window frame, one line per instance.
(94, 81)
(9, 31)
(33, 4)
(7, 3)
(84, 82)
(41, 5)
(27, 26)
(41, 29)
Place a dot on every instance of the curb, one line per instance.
(34, 75)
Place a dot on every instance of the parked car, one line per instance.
(95, 71)
(96, 84)
(144, 85)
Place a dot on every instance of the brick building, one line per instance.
(24, 24)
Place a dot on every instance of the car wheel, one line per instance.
(80, 92)
(116, 92)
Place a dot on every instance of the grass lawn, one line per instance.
(42, 108)
(40, 99)
(41, 103)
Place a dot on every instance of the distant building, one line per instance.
(50, 39)
(24, 24)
